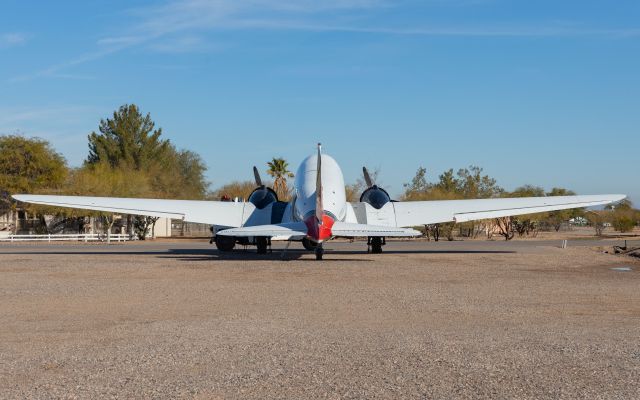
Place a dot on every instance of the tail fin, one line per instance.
(319, 206)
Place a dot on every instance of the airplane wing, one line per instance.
(413, 213)
(221, 213)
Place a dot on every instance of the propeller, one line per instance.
(262, 195)
(373, 194)
(256, 175)
(367, 177)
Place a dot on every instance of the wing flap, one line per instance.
(299, 229)
(290, 229)
(347, 229)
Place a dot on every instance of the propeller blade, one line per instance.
(367, 177)
(256, 175)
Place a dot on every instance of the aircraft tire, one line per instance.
(308, 244)
(262, 244)
(319, 252)
(225, 243)
(376, 245)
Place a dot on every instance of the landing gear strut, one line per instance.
(319, 252)
(263, 243)
(375, 244)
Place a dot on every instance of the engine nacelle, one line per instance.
(375, 196)
(263, 196)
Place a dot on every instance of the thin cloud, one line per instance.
(54, 71)
(11, 118)
(542, 31)
(307, 15)
(12, 39)
(179, 26)
(185, 44)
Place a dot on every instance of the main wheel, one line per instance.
(308, 244)
(225, 243)
(376, 245)
(319, 252)
(262, 244)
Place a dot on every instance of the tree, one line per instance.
(473, 185)
(352, 192)
(239, 189)
(130, 141)
(557, 218)
(28, 165)
(623, 221)
(505, 225)
(142, 224)
(129, 138)
(128, 144)
(447, 182)
(598, 220)
(526, 224)
(527, 191)
(418, 183)
(623, 216)
(104, 180)
(279, 170)
(420, 189)
(468, 183)
(624, 204)
(179, 176)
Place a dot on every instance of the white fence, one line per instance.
(90, 237)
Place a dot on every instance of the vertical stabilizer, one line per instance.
(319, 206)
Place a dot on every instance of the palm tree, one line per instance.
(278, 169)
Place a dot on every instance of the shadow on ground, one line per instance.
(206, 254)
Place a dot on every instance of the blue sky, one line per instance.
(544, 92)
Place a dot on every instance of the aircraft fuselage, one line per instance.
(319, 216)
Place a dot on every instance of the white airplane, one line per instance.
(319, 210)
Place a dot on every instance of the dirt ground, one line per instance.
(423, 320)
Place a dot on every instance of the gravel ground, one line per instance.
(178, 320)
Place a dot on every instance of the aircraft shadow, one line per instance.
(178, 254)
(248, 254)
(429, 252)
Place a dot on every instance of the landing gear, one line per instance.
(225, 243)
(319, 252)
(375, 244)
(308, 244)
(263, 243)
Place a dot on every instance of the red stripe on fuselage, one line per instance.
(319, 231)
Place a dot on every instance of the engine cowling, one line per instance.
(375, 196)
(262, 196)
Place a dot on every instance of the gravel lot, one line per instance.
(178, 320)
